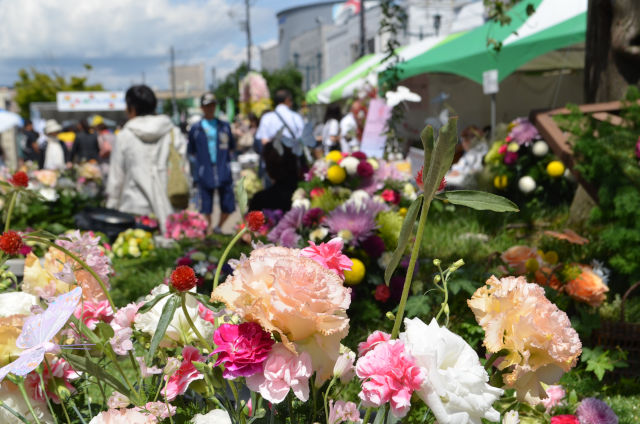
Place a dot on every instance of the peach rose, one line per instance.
(47, 177)
(546, 277)
(516, 257)
(294, 296)
(588, 287)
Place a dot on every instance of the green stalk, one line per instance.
(326, 397)
(75, 409)
(183, 301)
(445, 302)
(136, 367)
(12, 203)
(27, 401)
(426, 203)
(114, 359)
(64, 409)
(226, 253)
(13, 412)
(44, 391)
(367, 415)
(82, 263)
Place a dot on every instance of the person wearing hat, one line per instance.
(56, 154)
(211, 145)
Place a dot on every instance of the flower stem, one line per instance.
(326, 397)
(367, 415)
(82, 263)
(13, 412)
(12, 203)
(492, 359)
(225, 254)
(64, 409)
(75, 409)
(44, 392)
(426, 203)
(114, 359)
(27, 401)
(183, 301)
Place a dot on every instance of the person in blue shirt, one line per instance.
(211, 145)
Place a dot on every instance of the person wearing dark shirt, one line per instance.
(86, 146)
(31, 150)
(285, 173)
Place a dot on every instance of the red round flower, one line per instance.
(19, 179)
(359, 155)
(11, 243)
(565, 419)
(255, 220)
(183, 278)
(365, 169)
(382, 293)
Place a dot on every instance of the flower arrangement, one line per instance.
(186, 224)
(133, 244)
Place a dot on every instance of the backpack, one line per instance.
(177, 183)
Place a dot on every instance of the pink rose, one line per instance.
(329, 255)
(389, 374)
(283, 370)
(371, 342)
(178, 383)
(92, 313)
(241, 348)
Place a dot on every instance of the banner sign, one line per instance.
(373, 137)
(70, 101)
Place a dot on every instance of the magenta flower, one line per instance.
(595, 411)
(365, 169)
(390, 196)
(638, 148)
(178, 383)
(329, 255)
(389, 374)
(510, 158)
(313, 217)
(241, 348)
(373, 246)
(524, 132)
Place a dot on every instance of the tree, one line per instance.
(612, 56)
(38, 86)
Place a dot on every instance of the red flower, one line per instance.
(183, 278)
(365, 169)
(382, 293)
(241, 348)
(419, 180)
(255, 220)
(359, 155)
(11, 243)
(442, 185)
(565, 419)
(19, 179)
(391, 196)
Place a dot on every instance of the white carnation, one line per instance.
(540, 148)
(526, 184)
(16, 303)
(218, 416)
(350, 164)
(456, 385)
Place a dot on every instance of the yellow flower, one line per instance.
(513, 147)
(539, 339)
(334, 156)
(336, 174)
(500, 182)
(356, 275)
(555, 169)
(532, 265)
(402, 211)
(551, 257)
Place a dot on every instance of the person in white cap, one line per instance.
(56, 155)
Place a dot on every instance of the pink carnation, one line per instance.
(389, 374)
(371, 342)
(178, 382)
(241, 348)
(206, 314)
(555, 394)
(329, 255)
(390, 196)
(60, 372)
(343, 411)
(125, 316)
(283, 370)
(92, 313)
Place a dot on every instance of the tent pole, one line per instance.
(493, 116)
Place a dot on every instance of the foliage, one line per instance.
(36, 86)
(606, 158)
(497, 10)
(599, 361)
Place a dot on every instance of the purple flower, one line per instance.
(374, 246)
(284, 234)
(524, 132)
(510, 158)
(313, 217)
(638, 148)
(396, 285)
(595, 411)
(359, 222)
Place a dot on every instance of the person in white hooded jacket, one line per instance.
(137, 181)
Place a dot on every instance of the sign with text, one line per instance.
(84, 101)
(373, 136)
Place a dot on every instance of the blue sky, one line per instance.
(126, 39)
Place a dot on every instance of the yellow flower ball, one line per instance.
(551, 257)
(555, 169)
(500, 182)
(532, 265)
(402, 211)
(334, 156)
(356, 275)
(336, 174)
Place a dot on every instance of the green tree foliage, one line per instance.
(288, 77)
(36, 86)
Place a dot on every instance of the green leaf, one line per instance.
(163, 323)
(241, 197)
(403, 238)
(441, 157)
(205, 300)
(150, 304)
(85, 364)
(479, 200)
(104, 330)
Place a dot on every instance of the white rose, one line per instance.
(456, 385)
(526, 184)
(49, 194)
(299, 194)
(540, 148)
(358, 197)
(301, 203)
(179, 328)
(217, 416)
(350, 164)
(16, 303)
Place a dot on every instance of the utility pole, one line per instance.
(247, 8)
(174, 104)
(363, 35)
